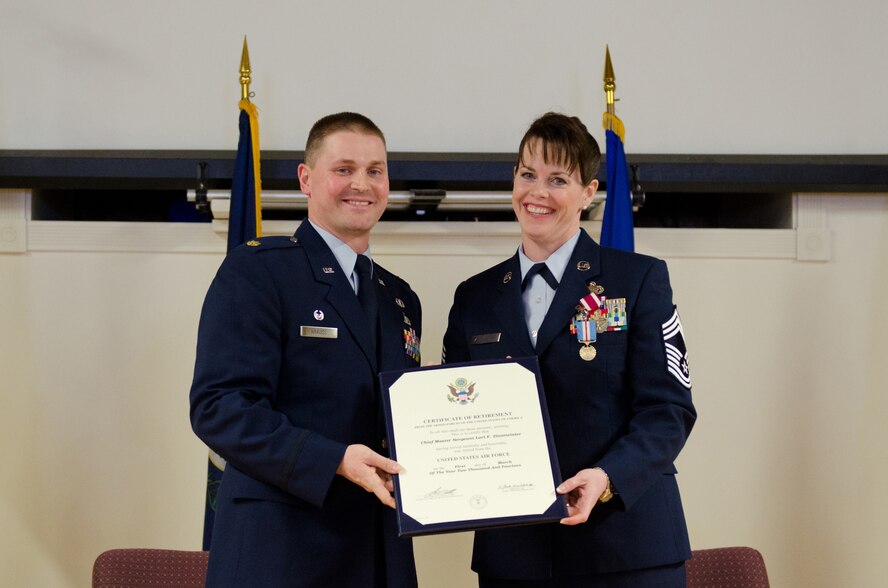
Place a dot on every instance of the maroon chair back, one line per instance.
(727, 567)
(138, 568)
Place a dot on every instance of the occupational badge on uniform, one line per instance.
(381, 283)
(507, 278)
(328, 270)
(462, 392)
(319, 315)
(253, 243)
(407, 321)
(676, 352)
(399, 302)
(411, 344)
(583, 266)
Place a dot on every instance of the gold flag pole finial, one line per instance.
(245, 72)
(609, 80)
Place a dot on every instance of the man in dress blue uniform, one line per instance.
(293, 333)
(614, 370)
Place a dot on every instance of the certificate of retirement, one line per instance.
(475, 446)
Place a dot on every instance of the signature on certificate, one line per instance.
(440, 492)
(516, 487)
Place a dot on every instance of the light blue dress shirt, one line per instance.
(345, 255)
(538, 295)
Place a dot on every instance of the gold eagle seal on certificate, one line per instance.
(462, 392)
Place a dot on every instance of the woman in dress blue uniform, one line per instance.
(615, 373)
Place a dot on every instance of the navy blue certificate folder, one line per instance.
(476, 446)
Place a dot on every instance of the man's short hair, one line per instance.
(565, 141)
(333, 123)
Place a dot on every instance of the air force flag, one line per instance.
(676, 352)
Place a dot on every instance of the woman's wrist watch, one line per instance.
(608, 489)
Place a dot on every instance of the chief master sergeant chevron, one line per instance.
(293, 333)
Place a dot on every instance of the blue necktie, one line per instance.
(367, 293)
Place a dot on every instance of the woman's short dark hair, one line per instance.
(565, 141)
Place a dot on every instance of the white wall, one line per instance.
(693, 76)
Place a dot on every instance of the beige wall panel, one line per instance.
(787, 358)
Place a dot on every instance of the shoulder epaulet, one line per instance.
(266, 243)
(626, 256)
(496, 273)
(390, 277)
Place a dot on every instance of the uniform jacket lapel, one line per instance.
(508, 308)
(340, 295)
(391, 326)
(584, 265)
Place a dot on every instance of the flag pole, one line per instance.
(609, 119)
(245, 72)
(617, 224)
(248, 108)
(245, 205)
(610, 85)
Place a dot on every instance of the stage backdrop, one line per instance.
(693, 76)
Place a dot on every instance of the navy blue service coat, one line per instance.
(623, 411)
(281, 400)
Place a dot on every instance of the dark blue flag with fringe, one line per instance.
(244, 224)
(245, 214)
(617, 227)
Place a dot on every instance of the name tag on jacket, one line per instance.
(319, 332)
(486, 338)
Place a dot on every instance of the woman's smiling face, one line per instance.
(548, 200)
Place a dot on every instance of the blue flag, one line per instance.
(617, 227)
(245, 215)
(244, 224)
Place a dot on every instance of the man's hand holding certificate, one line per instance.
(474, 444)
